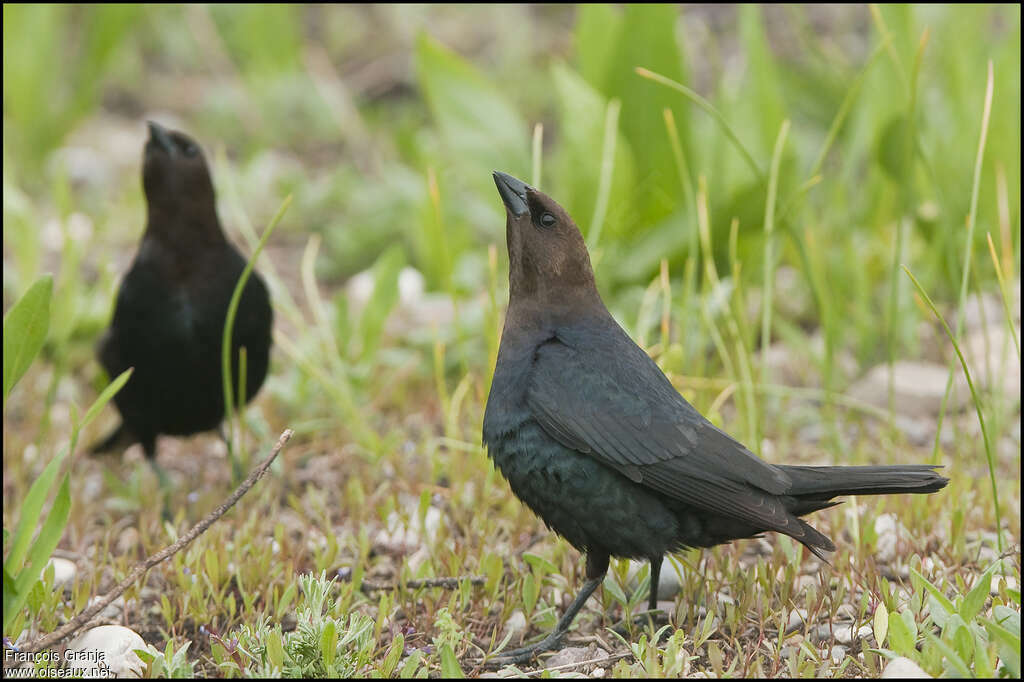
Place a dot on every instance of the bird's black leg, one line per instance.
(597, 566)
(652, 600)
(149, 447)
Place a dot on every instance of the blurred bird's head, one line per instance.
(175, 177)
(547, 256)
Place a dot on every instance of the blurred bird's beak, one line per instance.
(158, 134)
(513, 192)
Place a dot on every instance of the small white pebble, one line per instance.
(598, 673)
(115, 644)
(903, 668)
(63, 571)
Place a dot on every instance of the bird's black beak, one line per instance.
(513, 192)
(160, 136)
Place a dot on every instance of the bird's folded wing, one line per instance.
(620, 408)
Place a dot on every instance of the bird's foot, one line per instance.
(553, 642)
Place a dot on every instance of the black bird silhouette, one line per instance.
(171, 307)
(593, 437)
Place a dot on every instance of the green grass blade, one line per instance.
(25, 328)
(229, 322)
(538, 147)
(968, 248)
(604, 187)
(710, 109)
(977, 405)
(769, 245)
(1004, 293)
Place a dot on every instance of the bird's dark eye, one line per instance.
(547, 220)
(190, 149)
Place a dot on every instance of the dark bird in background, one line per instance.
(169, 317)
(593, 437)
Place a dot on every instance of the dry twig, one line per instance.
(444, 583)
(140, 569)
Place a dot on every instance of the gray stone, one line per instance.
(63, 571)
(918, 388)
(903, 668)
(886, 530)
(992, 358)
(838, 653)
(516, 625)
(575, 655)
(797, 618)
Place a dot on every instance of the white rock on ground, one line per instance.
(797, 618)
(918, 388)
(516, 624)
(887, 532)
(116, 646)
(63, 571)
(989, 365)
(903, 668)
(574, 655)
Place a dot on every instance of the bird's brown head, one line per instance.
(175, 178)
(547, 256)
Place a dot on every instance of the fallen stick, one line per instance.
(445, 583)
(76, 623)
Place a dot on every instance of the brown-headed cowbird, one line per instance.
(593, 437)
(169, 316)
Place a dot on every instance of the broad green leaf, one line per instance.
(449, 664)
(578, 159)
(275, 649)
(382, 300)
(328, 643)
(611, 586)
(597, 27)
(762, 78)
(25, 327)
(1004, 630)
(394, 654)
(950, 656)
(530, 593)
(477, 121)
(902, 635)
(647, 39)
(881, 623)
(411, 664)
(541, 566)
(975, 599)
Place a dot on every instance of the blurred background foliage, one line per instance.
(386, 121)
(349, 107)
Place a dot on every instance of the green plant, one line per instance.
(320, 646)
(25, 327)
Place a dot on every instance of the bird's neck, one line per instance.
(183, 225)
(541, 315)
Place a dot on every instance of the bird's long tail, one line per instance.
(813, 487)
(117, 440)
